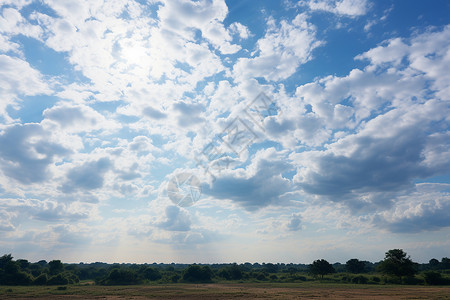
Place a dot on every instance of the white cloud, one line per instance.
(27, 152)
(426, 209)
(349, 8)
(18, 78)
(281, 51)
(13, 23)
(78, 118)
(241, 30)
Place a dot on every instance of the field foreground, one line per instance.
(229, 291)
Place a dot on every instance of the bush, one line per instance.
(435, 278)
(175, 278)
(120, 277)
(19, 278)
(197, 273)
(299, 277)
(411, 280)
(360, 279)
(40, 280)
(376, 279)
(71, 277)
(57, 280)
(261, 276)
(152, 274)
(392, 280)
(224, 273)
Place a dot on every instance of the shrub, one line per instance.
(175, 278)
(411, 280)
(197, 273)
(57, 280)
(433, 278)
(152, 274)
(299, 277)
(41, 280)
(360, 279)
(261, 276)
(376, 279)
(120, 277)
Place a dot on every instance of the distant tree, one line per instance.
(433, 264)
(445, 263)
(57, 280)
(270, 268)
(196, 273)
(4, 260)
(151, 274)
(433, 278)
(355, 266)
(321, 267)
(56, 267)
(232, 272)
(42, 263)
(40, 280)
(235, 272)
(397, 263)
(23, 263)
(120, 277)
(12, 275)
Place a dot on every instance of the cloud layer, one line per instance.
(102, 103)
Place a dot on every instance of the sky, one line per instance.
(217, 131)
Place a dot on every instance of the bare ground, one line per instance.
(230, 291)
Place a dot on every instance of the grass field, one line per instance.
(228, 291)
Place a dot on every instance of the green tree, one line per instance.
(445, 263)
(433, 264)
(397, 263)
(151, 274)
(355, 266)
(321, 267)
(196, 273)
(56, 267)
(122, 276)
(41, 280)
(433, 278)
(4, 260)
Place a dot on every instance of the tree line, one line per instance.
(396, 267)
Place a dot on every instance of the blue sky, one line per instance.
(314, 128)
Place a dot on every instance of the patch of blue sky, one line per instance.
(32, 107)
(409, 16)
(43, 58)
(107, 106)
(39, 6)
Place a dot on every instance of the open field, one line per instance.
(229, 291)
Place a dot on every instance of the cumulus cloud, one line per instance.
(176, 219)
(20, 209)
(17, 79)
(281, 51)
(426, 209)
(295, 223)
(26, 152)
(349, 8)
(261, 185)
(142, 87)
(190, 114)
(88, 176)
(78, 118)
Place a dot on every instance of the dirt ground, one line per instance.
(232, 291)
